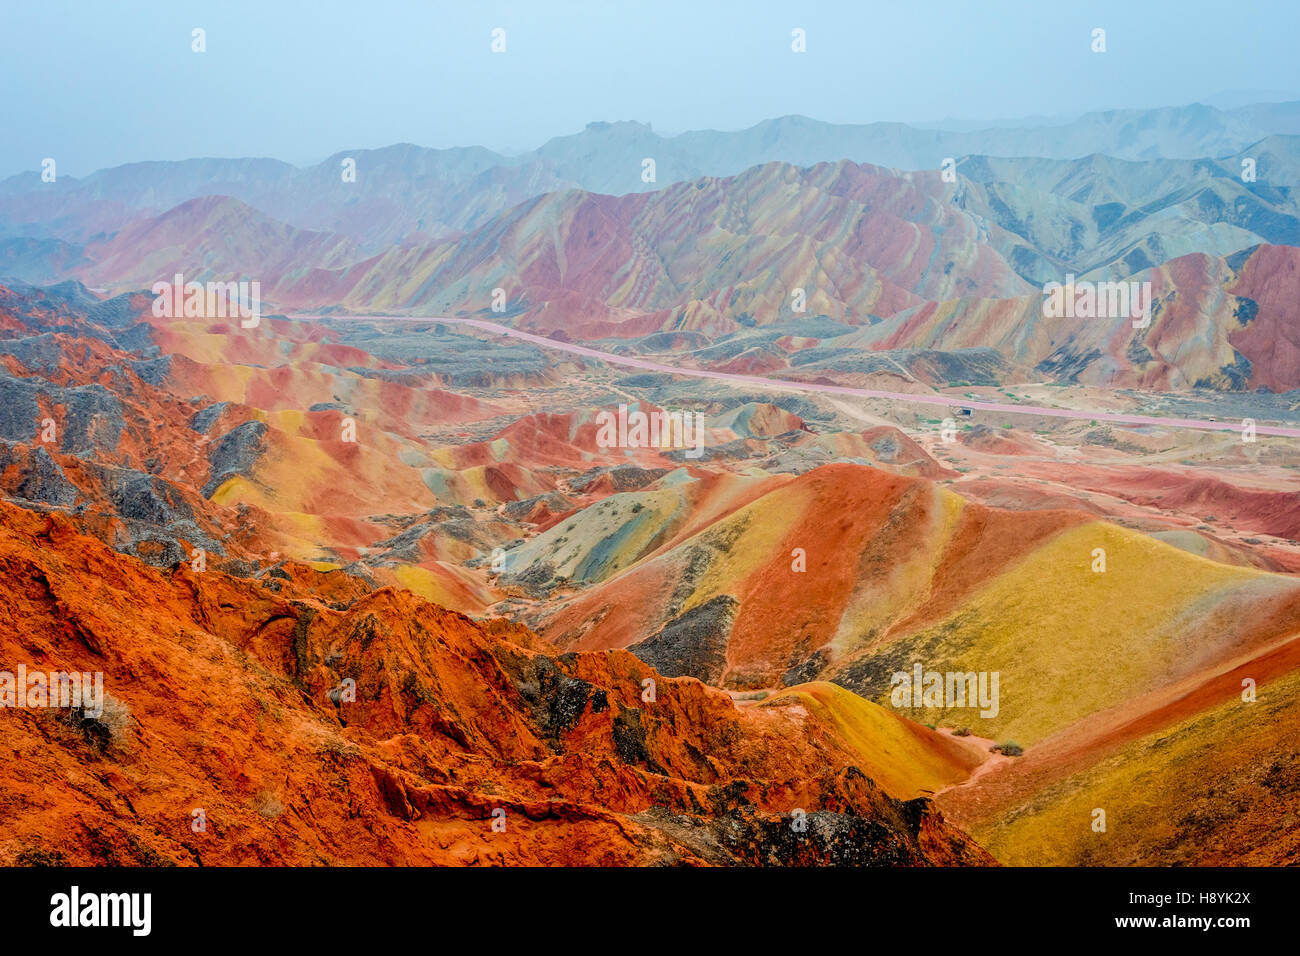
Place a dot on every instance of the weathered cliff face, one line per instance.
(305, 719)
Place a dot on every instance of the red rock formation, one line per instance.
(232, 697)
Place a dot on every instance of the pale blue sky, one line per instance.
(98, 83)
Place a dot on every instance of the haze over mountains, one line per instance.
(406, 192)
(902, 459)
(734, 223)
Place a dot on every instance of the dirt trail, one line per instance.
(756, 381)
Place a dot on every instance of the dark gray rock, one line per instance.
(552, 500)
(623, 477)
(556, 699)
(205, 418)
(235, 453)
(20, 414)
(40, 478)
(694, 644)
(40, 353)
(147, 498)
(93, 422)
(154, 370)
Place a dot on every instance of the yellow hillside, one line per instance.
(1068, 641)
(1217, 788)
(904, 758)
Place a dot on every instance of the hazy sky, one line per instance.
(98, 83)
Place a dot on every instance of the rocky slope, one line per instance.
(286, 721)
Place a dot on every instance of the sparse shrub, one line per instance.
(37, 856)
(267, 805)
(1007, 748)
(110, 728)
(961, 732)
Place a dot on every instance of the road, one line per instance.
(757, 381)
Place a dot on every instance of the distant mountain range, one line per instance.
(407, 193)
(735, 225)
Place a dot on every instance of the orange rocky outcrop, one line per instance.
(306, 719)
